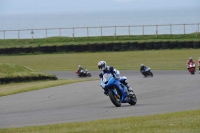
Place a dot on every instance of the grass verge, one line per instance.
(178, 122)
(8, 43)
(15, 88)
(129, 60)
(16, 73)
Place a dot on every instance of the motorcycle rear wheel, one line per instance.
(113, 99)
(145, 75)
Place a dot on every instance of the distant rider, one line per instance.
(189, 62)
(142, 68)
(80, 70)
(116, 74)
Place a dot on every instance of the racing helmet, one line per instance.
(190, 58)
(142, 64)
(102, 65)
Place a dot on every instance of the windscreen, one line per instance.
(106, 77)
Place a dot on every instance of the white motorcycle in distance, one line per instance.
(147, 72)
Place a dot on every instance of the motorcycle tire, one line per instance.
(151, 74)
(192, 72)
(89, 75)
(145, 75)
(113, 99)
(133, 100)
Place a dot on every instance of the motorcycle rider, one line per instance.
(142, 68)
(199, 64)
(80, 70)
(189, 61)
(116, 74)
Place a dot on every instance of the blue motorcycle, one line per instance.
(117, 91)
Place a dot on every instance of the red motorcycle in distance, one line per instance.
(83, 73)
(191, 69)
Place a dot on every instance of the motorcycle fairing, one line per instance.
(114, 84)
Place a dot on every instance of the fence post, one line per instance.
(46, 34)
(115, 30)
(73, 34)
(32, 35)
(87, 32)
(198, 30)
(60, 32)
(157, 28)
(4, 34)
(156, 31)
(184, 28)
(170, 29)
(143, 30)
(101, 31)
(18, 35)
(129, 30)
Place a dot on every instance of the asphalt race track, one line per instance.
(167, 91)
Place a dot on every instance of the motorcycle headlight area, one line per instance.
(102, 85)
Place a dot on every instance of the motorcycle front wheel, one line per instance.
(114, 99)
(192, 72)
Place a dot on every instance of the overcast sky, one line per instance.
(68, 6)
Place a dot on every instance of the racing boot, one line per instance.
(124, 81)
(130, 91)
(106, 92)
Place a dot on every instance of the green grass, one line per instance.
(178, 122)
(16, 71)
(8, 70)
(92, 40)
(131, 60)
(14, 88)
